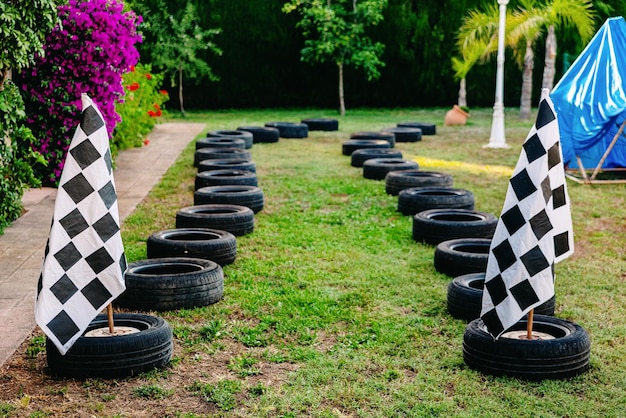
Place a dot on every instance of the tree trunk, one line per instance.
(527, 82)
(180, 90)
(548, 69)
(342, 104)
(462, 93)
(5, 74)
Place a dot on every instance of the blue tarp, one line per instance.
(590, 100)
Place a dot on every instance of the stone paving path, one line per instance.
(23, 243)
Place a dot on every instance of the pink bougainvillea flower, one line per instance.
(95, 43)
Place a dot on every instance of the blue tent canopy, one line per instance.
(590, 100)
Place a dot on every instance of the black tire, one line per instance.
(220, 142)
(321, 124)
(236, 219)
(465, 297)
(165, 284)
(116, 356)
(377, 168)
(290, 129)
(436, 225)
(395, 181)
(386, 136)
(461, 256)
(211, 244)
(405, 134)
(220, 154)
(247, 137)
(208, 165)
(261, 134)
(563, 356)
(351, 145)
(361, 155)
(418, 199)
(248, 196)
(225, 177)
(427, 128)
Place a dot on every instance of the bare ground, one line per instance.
(27, 385)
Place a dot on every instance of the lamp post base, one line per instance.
(497, 139)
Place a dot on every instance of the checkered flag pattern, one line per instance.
(84, 262)
(534, 230)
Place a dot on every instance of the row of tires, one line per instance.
(184, 266)
(387, 137)
(183, 270)
(445, 217)
(440, 212)
(273, 131)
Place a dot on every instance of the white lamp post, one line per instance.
(497, 139)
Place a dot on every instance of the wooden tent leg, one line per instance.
(583, 173)
(608, 150)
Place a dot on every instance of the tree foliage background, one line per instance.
(22, 34)
(261, 65)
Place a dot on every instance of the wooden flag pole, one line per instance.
(110, 317)
(529, 326)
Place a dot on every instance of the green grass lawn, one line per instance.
(332, 310)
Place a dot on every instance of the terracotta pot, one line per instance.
(456, 116)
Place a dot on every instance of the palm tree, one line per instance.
(530, 21)
(528, 28)
(524, 27)
(471, 55)
(477, 41)
(566, 13)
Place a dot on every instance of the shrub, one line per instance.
(140, 109)
(16, 156)
(23, 30)
(87, 53)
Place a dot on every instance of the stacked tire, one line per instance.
(321, 124)
(396, 181)
(171, 283)
(377, 168)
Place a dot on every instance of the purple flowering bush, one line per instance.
(88, 53)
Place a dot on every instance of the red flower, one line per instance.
(148, 76)
(146, 141)
(133, 86)
(132, 68)
(164, 92)
(158, 111)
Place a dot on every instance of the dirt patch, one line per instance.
(27, 386)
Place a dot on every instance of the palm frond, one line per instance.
(574, 13)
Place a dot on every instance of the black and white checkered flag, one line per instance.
(534, 230)
(84, 262)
